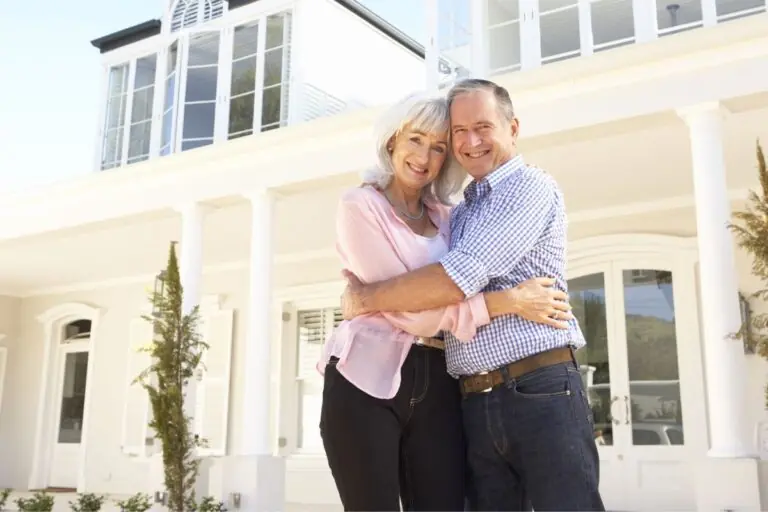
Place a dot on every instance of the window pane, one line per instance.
(654, 379)
(73, 398)
(142, 104)
(145, 71)
(241, 113)
(243, 76)
(587, 296)
(273, 67)
(246, 40)
(198, 120)
(271, 102)
(138, 149)
(204, 49)
(201, 84)
(275, 27)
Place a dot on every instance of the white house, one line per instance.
(646, 112)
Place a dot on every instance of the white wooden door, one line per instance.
(642, 366)
(663, 416)
(68, 428)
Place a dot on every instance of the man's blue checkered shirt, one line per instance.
(510, 227)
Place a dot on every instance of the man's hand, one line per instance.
(353, 297)
(539, 301)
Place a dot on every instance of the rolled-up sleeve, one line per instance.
(508, 229)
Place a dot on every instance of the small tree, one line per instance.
(752, 236)
(176, 351)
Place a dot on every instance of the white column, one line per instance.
(726, 370)
(191, 254)
(431, 50)
(191, 274)
(258, 354)
(479, 49)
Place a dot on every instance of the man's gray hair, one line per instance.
(424, 113)
(503, 101)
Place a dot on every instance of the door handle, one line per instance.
(614, 419)
(626, 410)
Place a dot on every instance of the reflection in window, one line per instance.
(276, 57)
(559, 28)
(654, 378)
(613, 23)
(141, 110)
(73, 398)
(169, 105)
(201, 90)
(114, 129)
(587, 296)
(673, 17)
(314, 326)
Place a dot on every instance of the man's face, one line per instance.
(482, 139)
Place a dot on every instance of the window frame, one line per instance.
(160, 44)
(290, 301)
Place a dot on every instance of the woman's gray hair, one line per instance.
(420, 112)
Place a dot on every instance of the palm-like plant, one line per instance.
(752, 236)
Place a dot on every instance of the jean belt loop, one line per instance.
(508, 381)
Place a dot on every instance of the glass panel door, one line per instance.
(587, 296)
(201, 89)
(656, 410)
(70, 428)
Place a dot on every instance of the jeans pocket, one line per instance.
(549, 382)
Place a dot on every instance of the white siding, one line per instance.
(345, 57)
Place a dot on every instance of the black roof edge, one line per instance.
(152, 28)
(127, 36)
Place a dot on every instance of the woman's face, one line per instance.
(417, 157)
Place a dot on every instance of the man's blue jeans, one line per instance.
(530, 444)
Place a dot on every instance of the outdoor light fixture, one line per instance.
(235, 499)
(746, 321)
(160, 497)
(159, 290)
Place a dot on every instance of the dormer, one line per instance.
(209, 71)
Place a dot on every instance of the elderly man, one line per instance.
(528, 425)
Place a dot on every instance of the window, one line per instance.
(130, 98)
(271, 82)
(313, 328)
(188, 13)
(117, 93)
(197, 91)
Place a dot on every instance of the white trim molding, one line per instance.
(53, 320)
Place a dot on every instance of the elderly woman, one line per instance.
(391, 417)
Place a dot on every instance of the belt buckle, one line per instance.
(490, 385)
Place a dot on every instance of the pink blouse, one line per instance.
(376, 245)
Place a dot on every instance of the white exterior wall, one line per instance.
(347, 58)
(605, 127)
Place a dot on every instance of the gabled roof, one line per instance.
(151, 28)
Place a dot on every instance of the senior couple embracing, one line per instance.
(452, 382)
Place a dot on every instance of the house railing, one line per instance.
(525, 34)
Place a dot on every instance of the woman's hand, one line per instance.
(539, 301)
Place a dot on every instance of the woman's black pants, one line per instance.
(407, 449)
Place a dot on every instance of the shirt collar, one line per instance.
(479, 189)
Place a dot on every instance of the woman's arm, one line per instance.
(367, 252)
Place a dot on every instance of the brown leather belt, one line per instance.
(423, 341)
(484, 382)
